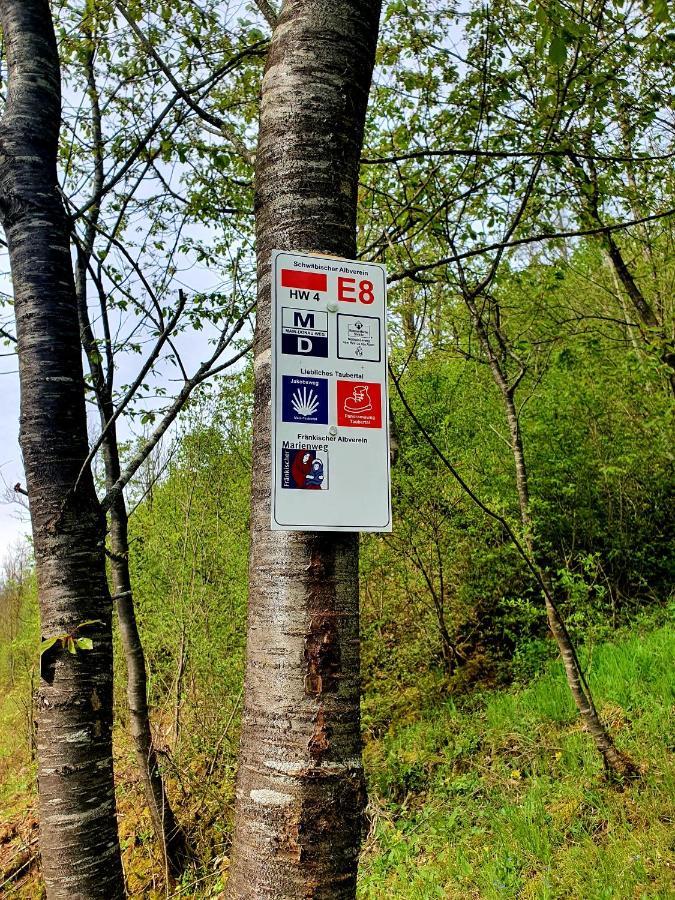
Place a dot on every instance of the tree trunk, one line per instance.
(167, 829)
(178, 688)
(642, 307)
(616, 763)
(448, 650)
(653, 330)
(300, 787)
(625, 276)
(78, 827)
(169, 834)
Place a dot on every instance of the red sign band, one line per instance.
(306, 281)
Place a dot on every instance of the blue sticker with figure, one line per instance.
(303, 469)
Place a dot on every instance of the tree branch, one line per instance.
(512, 154)
(531, 565)
(161, 340)
(520, 242)
(223, 127)
(268, 12)
(205, 371)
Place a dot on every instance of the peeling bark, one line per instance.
(78, 828)
(300, 787)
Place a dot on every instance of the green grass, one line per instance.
(510, 800)
(505, 799)
(16, 769)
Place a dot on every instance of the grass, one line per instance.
(18, 827)
(502, 799)
(17, 772)
(510, 800)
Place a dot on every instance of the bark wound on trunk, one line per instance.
(322, 642)
(300, 786)
(322, 653)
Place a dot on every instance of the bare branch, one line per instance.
(161, 340)
(205, 371)
(131, 159)
(513, 154)
(520, 242)
(184, 94)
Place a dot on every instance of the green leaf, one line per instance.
(70, 646)
(557, 51)
(48, 644)
(84, 643)
(661, 12)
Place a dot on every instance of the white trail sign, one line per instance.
(330, 408)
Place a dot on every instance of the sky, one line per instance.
(14, 522)
(14, 517)
(127, 326)
(194, 346)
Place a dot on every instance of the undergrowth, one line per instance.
(509, 799)
(492, 795)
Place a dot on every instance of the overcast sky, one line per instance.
(14, 522)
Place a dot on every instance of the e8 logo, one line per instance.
(348, 291)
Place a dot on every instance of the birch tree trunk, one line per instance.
(78, 828)
(300, 788)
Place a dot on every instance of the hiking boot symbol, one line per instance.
(359, 402)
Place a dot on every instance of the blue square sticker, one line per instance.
(304, 400)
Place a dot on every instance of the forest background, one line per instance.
(517, 182)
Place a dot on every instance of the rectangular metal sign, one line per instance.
(330, 408)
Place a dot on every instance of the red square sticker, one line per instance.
(359, 404)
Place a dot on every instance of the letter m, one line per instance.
(300, 321)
